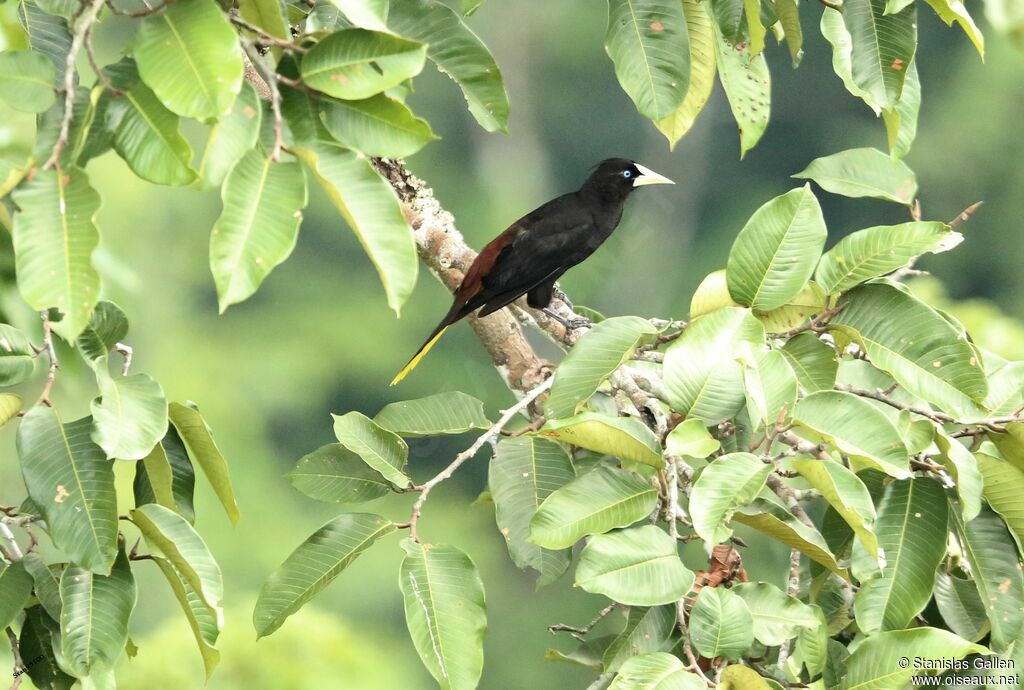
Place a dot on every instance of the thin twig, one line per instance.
(136, 13)
(271, 79)
(485, 438)
(792, 590)
(909, 270)
(817, 324)
(19, 663)
(9, 545)
(580, 632)
(989, 423)
(51, 353)
(264, 36)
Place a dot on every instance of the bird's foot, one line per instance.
(569, 324)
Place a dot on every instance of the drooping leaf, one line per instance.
(601, 351)
(459, 53)
(130, 417)
(26, 80)
(857, 428)
(777, 616)
(267, 15)
(445, 612)
(259, 225)
(747, 84)
(649, 629)
(17, 358)
(702, 73)
(911, 529)
(847, 495)
(46, 34)
(965, 470)
(882, 47)
(71, 481)
(377, 126)
(37, 641)
(773, 520)
(147, 137)
(522, 474)
(198, 438)
(593, 503)
(452, 412)
(954, 11)
(46, 582)
(702, 377)
(638, 566)
(863, 173)
(938, 364)
(721, 624)
(166, 476)
(334, 474)
(188, 54)
(108, 325)
(204, 621)
(370, 208)
(655, 671)
(740, 677)
(813, 362)
(648, 42)
(789, 17)
(960, 605)
(771, 386)
(15, 590)
(94, 618)
(314, 565)
(1004, 484)
(775, 253)
(357, 63)
(876, 663)
(901, 120)
(10, 406)
(379, 448)
(879, 250)
(54, 236)
(731, 481)
(234, 134)
(626, 438)
(368, 14)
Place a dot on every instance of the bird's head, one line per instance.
(616, 178)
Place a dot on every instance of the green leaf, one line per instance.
(961, 606)
(130, 417)
(747, 84)
(879, 250)
(46, 34)
(200, 444)
(259, 225)
(777, 616)
(691, 438)
(368, 14)
(648, 42)
(846, 493)
(593, 503)
(834, 30)
(458, 53)
(938, 364)
(178, 541)
(233, 135)
(522, 474)
(702, 377)
(1004, 485)
(739, 677)
(71, 481)
(334, 474)
(789, 18)
(188, 54)
(721, 624)
(146, 136)
(882, 47)
(17, 358)
(812, 644)
(54, 236)
(602, 350)
(775, 253)
(875, 664)
(46, 582)
(638, 566)
(204, 621)
(471, 6)
(857, 428)
(314, 565)
(445, 612)
(964, 468)
(1005, 387)
(655, 671)
(166, 476)
(15, 590)
(702, 73)
(356, 63)
(377, 126)
(770, 383)
(379, 448)
(369, 206)
(776, 522)
(796, 311)
(39, 636)
(901, 121)
(587, 654)
(711, 294)
(626, 438)
(995, 567)
(951, 11)
(267, 15)
(108, 325)
(911, 529)
(94, 618)
(731, 481)
(812, 360)
(10, 406)
(453, 412)
(26, 80)
(647, 630)
(863, 173)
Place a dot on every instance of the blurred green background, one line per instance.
(318, 337)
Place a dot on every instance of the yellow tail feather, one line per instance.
(418, 356)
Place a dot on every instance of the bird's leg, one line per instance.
(571, 324)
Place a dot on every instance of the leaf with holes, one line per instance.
(445, 612)
(747, 84)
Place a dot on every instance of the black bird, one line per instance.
(538, 248)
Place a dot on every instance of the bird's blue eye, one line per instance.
(627, 174)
